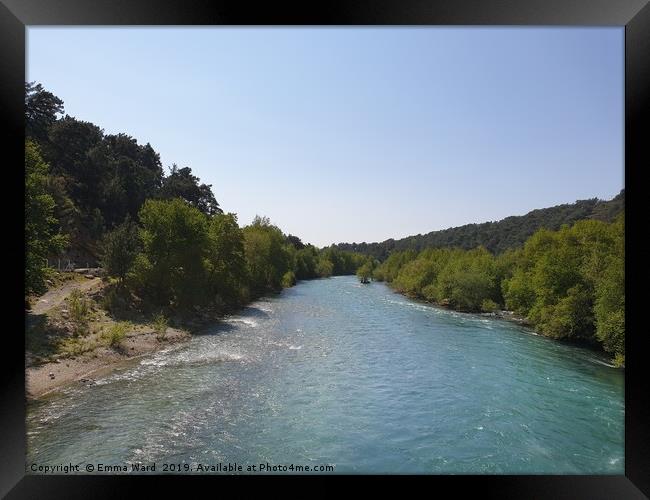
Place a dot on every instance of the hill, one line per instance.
(500, 235)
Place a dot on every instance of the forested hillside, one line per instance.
(499, 236)
(104, 199)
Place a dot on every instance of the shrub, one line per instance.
(112, 300)
(619, 360)
(75, 346)
(489, 305)
(160, 325)
(79, 312)
(289, 279)
(116, 334)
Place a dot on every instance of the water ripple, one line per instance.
(357, 376)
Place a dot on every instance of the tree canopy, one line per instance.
(41, 236)
(497, 237)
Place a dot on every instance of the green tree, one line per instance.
(295, 241)
(266, 255)
(324, 267)
(609, 306)
(171, 270)
(41, 108)
(120, 248)
(72, 151)
(570, 283)
(365, 272)
(41, 237)
(180, 183)
(388, 270)
(306, 262)
(226, 260)
(133, 173)
(288, 280)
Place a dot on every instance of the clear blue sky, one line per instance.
(358, 134)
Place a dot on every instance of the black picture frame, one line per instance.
(634, 15)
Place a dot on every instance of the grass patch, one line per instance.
(75, 346)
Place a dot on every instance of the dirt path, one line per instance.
(53, 298)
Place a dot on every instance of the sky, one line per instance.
(357, 134)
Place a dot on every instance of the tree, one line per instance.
(389, 269)
(324, 267)
(226, 260)
(267, 257)
(171, 268)
(74, 150)
(41, 237)
(133, 174)
(119, 249)
(609, 306)
(364, 273)
(41, 108)
(306, 262)
(182, 184)
(295, 241)
(570, 283)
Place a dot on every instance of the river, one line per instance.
(354, 376)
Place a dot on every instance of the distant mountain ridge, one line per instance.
(500, 235)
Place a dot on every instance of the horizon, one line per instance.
(547, 98)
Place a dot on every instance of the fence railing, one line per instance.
(67, 265)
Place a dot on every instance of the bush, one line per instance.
(75, 346)
(79, 312)
(113, 299)
(619, 360)
(489, 305)
(324, 268)
(289, 279)
(160, 325)
(116, 334)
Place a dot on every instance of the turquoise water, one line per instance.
(354, 376)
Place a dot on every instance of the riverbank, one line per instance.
(499, 313)
(43, 379)
(62, 349)
(513, 317)
(56, 356)
(508, 316)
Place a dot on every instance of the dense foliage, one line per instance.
(569, 284)
(365, 272)
(499, 236)
(41, 235)
(167, 242)
(105, 199)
